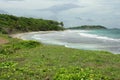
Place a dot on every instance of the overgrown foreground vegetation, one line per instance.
(30, 60)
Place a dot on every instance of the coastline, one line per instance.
(44, 57)
(83, 43)
(19, 35)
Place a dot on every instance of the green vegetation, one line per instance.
(12, 24)
(89, 27)
(13, 47)
(78, 74)
(30, 60)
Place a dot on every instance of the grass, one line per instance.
(42, 62)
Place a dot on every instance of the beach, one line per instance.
(20, 35)
(78, 39)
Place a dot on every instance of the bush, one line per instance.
(26, 44)
(6, 50)
(12, 48)
(78, 74)
(2, 30)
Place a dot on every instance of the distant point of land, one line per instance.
(88, 27)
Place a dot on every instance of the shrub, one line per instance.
(78, 74)
(26, 44)
(12, 48)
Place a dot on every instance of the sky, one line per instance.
(71, 12)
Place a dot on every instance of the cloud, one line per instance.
(3, 12)
(66, 1)
(12, 0)
(72, 12)
(84, 19)
(61, 7)
(79, 18)
(90, 20)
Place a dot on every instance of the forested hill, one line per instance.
(89, 27)
(12, 24)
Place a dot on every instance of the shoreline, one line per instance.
(54, 56)
(19, 35)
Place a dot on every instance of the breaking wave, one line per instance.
(98, 37)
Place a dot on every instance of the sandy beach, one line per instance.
(20, 35)
(77, 39)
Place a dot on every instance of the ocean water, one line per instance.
(107, 40)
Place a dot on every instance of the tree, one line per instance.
(61, 23)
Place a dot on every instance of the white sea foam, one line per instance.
(76, 31)
(98, 37)
(48, 40)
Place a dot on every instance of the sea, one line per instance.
(104, 39)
